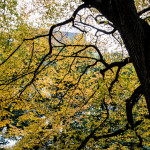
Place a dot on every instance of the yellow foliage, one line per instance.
(57, 103)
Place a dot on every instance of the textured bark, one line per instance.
(135, 33)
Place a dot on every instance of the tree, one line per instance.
(132, 30)
(63, 96)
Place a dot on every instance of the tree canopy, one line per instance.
(75, 77)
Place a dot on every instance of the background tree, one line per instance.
(73, 94)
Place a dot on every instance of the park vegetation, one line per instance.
(62, 92)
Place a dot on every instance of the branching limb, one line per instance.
(115, 64)
(131, 102)
(90, 97)
(71, 19)
(140, 140)
(27, 39)
(15, 79)
(87, 67)
(38, 91)
(92, 58)
(79, 78)
(12, 53)
(98, 29)
(36, 71)
(119, 64)
(144, 11)
(31, 57)
(91, 135)
(117, 132)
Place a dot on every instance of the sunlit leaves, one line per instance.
(56, 103)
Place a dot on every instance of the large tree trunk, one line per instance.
(135, 34)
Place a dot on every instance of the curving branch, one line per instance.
(119, 64)
(98, 29)
(131, 102)
(36, 71)
(144, 11)
(118, 132)
(91, 135)
(71, 19)
(26, 39)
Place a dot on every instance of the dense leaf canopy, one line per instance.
(74, 85)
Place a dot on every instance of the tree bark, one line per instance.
(135, 33)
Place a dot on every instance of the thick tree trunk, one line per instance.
(135, 34)
(136, 39)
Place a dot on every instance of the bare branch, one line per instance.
(98, 29)
(12, 53)
(91, 135)
(28, 39)
(115, 64)
(143, 11)
(31, 57)
(131, 102)
(119, 64)
(117, 132)
(71, 19)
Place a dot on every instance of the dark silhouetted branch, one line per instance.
(131, 102)
(143, 11)
(119, 64)
(91, 135)
(117, 132)
(28, 39)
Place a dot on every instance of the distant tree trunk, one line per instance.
(135, 33)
